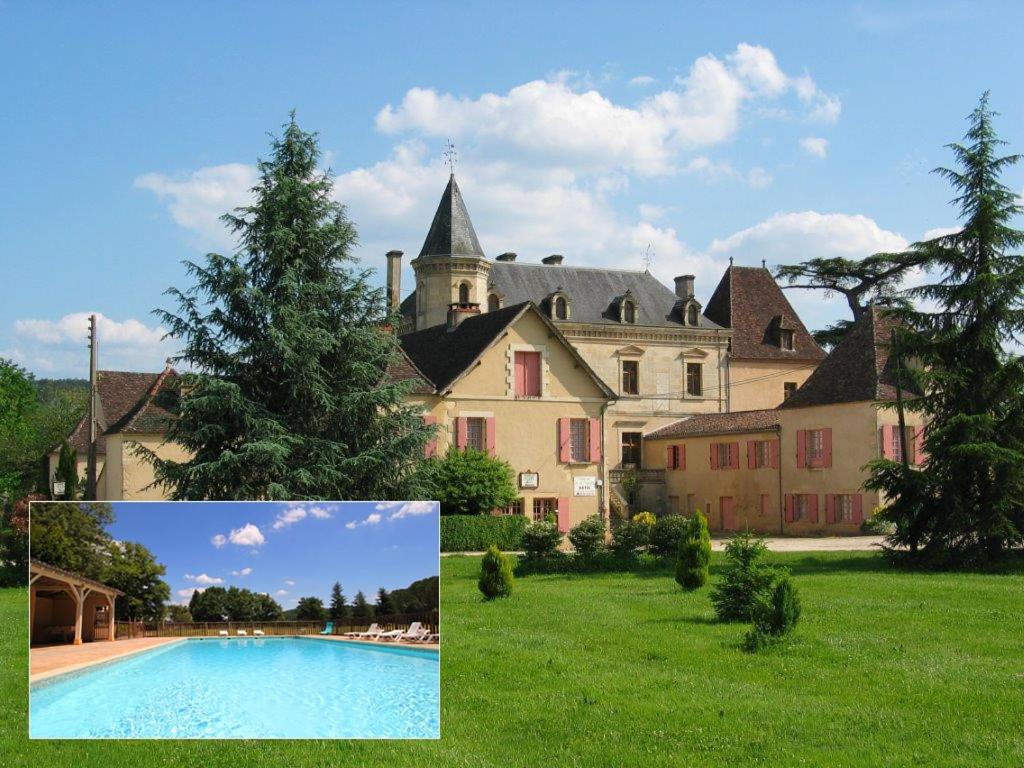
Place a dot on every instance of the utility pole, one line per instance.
(90, 472)
(899, 398)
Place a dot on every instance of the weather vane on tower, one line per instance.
(451, 157)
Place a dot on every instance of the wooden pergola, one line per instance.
(48, 580)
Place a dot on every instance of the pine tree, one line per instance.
(290, 346)
(384, 606)
(361, 609)
(338, 608)
(67, 470)
(968, 502)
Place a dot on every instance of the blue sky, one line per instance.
(694, 132)
(288, 550)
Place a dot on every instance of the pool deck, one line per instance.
(48, 661)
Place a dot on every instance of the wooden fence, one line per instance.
(133, 629)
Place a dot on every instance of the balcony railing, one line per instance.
(642, 475)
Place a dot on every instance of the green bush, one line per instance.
(587, 537)
(666, 533)
(605, 561)
(774, 615)
(495, 574)
(541, 540)
(746, 578)
(876, 524)
(630, 537)
(694, 553)
(468, 482)
(646, 518)
(475, 533)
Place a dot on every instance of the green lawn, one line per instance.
(886, 668)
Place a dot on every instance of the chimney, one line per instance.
(458, 312)
(553, 260)
(684, 286)
(394, 279)
(507, 256)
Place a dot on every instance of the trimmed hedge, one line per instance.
(605, 561)
(475, 533)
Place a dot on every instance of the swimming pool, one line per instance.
(273, 687)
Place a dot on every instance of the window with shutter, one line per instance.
(579, 440)
(476, 433)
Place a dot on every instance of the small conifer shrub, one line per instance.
(746, 578)
(774, 615)
(496, 578)
(694, 554)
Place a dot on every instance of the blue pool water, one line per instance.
(247, 688)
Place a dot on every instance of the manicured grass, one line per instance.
(886, 668)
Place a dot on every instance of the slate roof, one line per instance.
(719, 424)
(859, 368)
(750, 302)
(441, 356)
(451, 232)
(128, 402)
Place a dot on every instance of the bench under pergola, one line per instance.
(49, 581)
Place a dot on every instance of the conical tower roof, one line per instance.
(451, 232)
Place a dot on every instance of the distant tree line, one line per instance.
(420, 596)
(233, 604)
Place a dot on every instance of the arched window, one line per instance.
(561, 308)
(464, 293)
(493, 302)
(691, 315)
(628, 312)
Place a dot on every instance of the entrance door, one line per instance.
(726, 514)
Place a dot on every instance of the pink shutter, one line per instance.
(564, 523)
(461, 433)
(830, 508)
(826, 446)
(430, 448)
(520, 363)
(564, 441)
(789, 507)
(812, 507)
(532, 374)
(775, 454)
(714, 455)
(886, 441)
(919, 453)
(858, 509)
(734, 455)
(595, 440)
(491, 436)
(670, 457)
(801, 448)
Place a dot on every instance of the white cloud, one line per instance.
(219, 540)
(186, 594)
(351, 525)
(815, 146)
(197, 199)
(289, 582)
(204, 579)
(247, 536)
(290, 516)
(281, 592)
(321, 513)
(398, 510)
(372, 519)
(244, 572)
(74, 328)
(758, 178)
(641, 80)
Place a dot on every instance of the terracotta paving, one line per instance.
(50, 660)
(54, 659)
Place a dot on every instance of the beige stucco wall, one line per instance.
(129, 475)
(526, 430)
(855, 441)
(699, 486)
(754, 385)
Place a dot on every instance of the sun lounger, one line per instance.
(429, 637)
(414, 632)
(258, 632)
(223, 633)
(328, 628)
(242, 633)
(371, 633)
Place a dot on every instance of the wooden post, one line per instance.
(79, 604)
(112, 626)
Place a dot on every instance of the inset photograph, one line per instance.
(225, 620)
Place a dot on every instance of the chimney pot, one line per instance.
(508, 256)
(394, 279)
(457, 312)
(553, 260)
(684, 286)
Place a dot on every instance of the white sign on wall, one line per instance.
(584, 486)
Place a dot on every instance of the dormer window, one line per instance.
(692, 315)
(463, 293)
(786, 339)
(561, 308)
(628, 312)
(493, 302)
